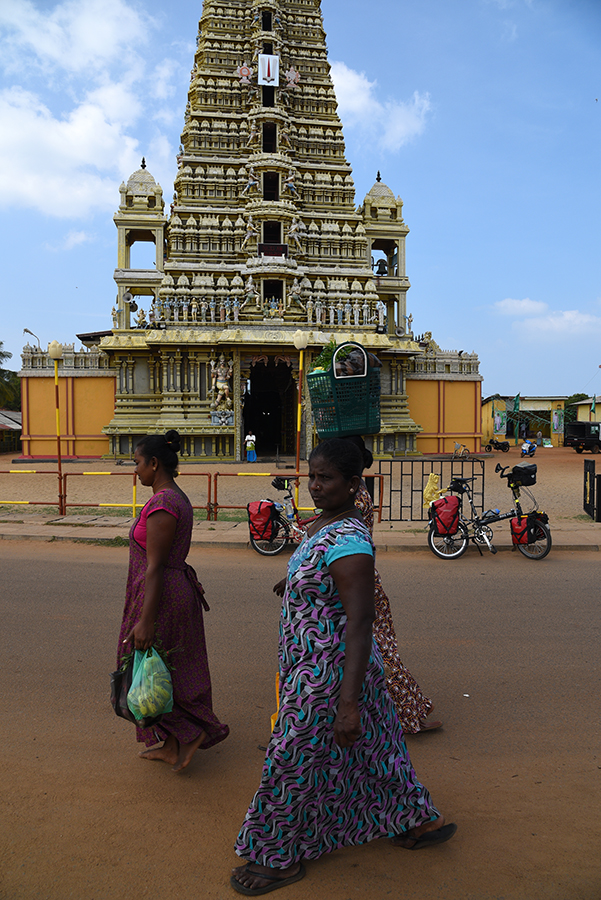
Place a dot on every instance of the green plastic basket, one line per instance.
(346, 404)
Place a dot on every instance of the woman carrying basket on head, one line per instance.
(337, 771)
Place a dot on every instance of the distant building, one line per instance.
(516, 418)
(10, 430)
(262, 239)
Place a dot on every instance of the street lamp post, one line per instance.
(55, 352)
(301, 339)
(27, 331)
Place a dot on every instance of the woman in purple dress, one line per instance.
(164, 604)
(337, 772)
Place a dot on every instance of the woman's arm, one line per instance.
(354, 577)
(160, 532)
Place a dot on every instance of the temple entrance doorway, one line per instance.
(270, 406)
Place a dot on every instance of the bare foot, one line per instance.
(251, 878)
(167, 752)
(187, 751)
(408, 838)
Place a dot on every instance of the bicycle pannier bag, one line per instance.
(524, 474)
(444, 514)
(262, 520)
(519, 530)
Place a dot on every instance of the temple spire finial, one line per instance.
(378, 176)
(144, 163)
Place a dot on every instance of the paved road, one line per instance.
(517, 765)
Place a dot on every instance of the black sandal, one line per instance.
(429, 838)
(278, 882)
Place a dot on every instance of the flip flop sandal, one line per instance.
(278, 882)
(424, 725)
(430, 838)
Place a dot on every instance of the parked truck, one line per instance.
(582, 436)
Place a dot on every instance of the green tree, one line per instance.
(571, 410)
(10, 384)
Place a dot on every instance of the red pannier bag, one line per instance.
(519, 530)
(444, 514)
(262, 520)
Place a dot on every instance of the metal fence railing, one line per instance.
(133, 504)
(592, 491)
(58, 502)
(405, 480)
(217, 506)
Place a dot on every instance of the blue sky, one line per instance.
(484, 115)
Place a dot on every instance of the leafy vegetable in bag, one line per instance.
(151, 693)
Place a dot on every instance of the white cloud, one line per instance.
(71, 240)
(77, 35)
(391, 123)
(525, 307)
(61, 167)
(66, 138)
(162, 86)
(533, 319)
(561, 324)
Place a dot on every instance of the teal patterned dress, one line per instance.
(314, 796)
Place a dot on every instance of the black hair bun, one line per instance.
(172, 438)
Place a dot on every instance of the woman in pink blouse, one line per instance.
(164, 604)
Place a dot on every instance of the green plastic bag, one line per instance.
(151, 692)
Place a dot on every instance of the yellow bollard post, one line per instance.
(133, 504)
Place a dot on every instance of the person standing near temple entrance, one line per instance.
(249, 445)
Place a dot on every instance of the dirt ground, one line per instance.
(559, 488)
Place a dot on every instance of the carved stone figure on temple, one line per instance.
(251, 232)
(293, 233)
(289, 184)
(250, 293)
(221, 374)
(295, 294)
(253, 181)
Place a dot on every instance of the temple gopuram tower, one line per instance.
(263, 238)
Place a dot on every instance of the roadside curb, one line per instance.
(245, 545)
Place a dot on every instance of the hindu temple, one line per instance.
(263, 239)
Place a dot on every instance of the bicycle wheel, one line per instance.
(541, 545)
(448, 546)
(275, 546)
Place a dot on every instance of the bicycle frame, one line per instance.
(288, 510)
(478, 524)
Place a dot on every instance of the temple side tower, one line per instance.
(263, 238)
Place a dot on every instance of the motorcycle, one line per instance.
(494, 444)
(528, 448)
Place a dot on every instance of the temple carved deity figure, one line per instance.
(221, 376)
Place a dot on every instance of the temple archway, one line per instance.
(269, 407)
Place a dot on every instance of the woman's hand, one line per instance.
(347, 724)
(280, 588)
(142, 635)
